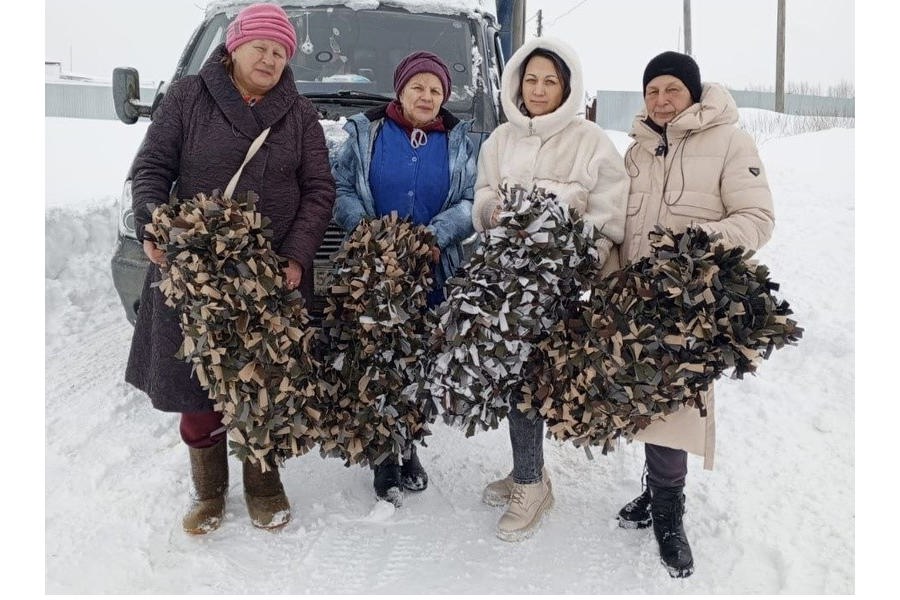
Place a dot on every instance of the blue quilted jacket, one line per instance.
(451, 225)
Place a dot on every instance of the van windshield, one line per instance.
(341, 49)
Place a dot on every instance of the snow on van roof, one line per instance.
(445, 7)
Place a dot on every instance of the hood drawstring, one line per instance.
(418, 138)
(680, 146)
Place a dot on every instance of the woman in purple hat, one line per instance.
(414, 157)
(198, 139)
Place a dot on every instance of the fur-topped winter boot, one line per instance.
(667, 509)
(266, 501)
(209, 472)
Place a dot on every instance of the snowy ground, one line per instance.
(776, 515)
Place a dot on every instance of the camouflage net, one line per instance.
(502, 303)
(245, 333)
(372, 342)
(652, 336)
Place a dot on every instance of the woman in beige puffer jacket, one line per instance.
(690, 165)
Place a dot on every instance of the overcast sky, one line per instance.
(733, 40)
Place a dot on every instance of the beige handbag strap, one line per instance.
(253, 148)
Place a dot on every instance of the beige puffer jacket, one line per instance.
(561, 152)
(712, 177)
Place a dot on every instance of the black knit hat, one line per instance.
(677, 65)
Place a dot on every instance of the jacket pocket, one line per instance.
(635, 201)
(634, 226)
(684, 214)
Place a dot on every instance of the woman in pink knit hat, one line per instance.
(198, 139)
(260, 42)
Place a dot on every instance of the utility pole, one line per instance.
(779, 60)
(518, 30)
(687, 28)
(540, 22)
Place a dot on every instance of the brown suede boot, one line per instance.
(209, 471)
(266, 501)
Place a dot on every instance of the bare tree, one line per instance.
(844, 89)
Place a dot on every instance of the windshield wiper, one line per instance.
(347, 95)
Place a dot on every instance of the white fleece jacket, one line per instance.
(561, 152)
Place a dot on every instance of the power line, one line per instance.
(565, 13)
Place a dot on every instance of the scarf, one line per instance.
(416, 135)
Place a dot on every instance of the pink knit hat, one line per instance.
(421, 62)
(261, 22)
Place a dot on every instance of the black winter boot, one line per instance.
(412, 475)
(666, 509)
(636, 514)
(388, 482)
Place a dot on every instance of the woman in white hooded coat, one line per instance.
(547, 143)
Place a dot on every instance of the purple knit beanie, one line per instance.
(262, 22)
(421, 62)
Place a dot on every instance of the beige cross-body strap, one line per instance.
(253, 148)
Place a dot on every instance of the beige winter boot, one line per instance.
(266, 502)
(209, 472)
(497, 492)
(527, 504)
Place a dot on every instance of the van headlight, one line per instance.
(126, 215)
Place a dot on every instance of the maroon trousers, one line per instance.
(202, 429)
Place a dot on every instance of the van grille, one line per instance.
(322, 266)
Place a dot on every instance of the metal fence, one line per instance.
(616, 110)
(84, 100)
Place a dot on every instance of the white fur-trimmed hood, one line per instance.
(511, 98)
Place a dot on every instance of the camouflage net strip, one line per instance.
(518, 325)
(372, 342)
(245, 333)
(653, 336)
(502, 303)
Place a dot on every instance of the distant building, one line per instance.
(74, 95)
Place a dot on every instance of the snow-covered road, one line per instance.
(775, 516)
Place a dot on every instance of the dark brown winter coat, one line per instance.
(198, 139)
